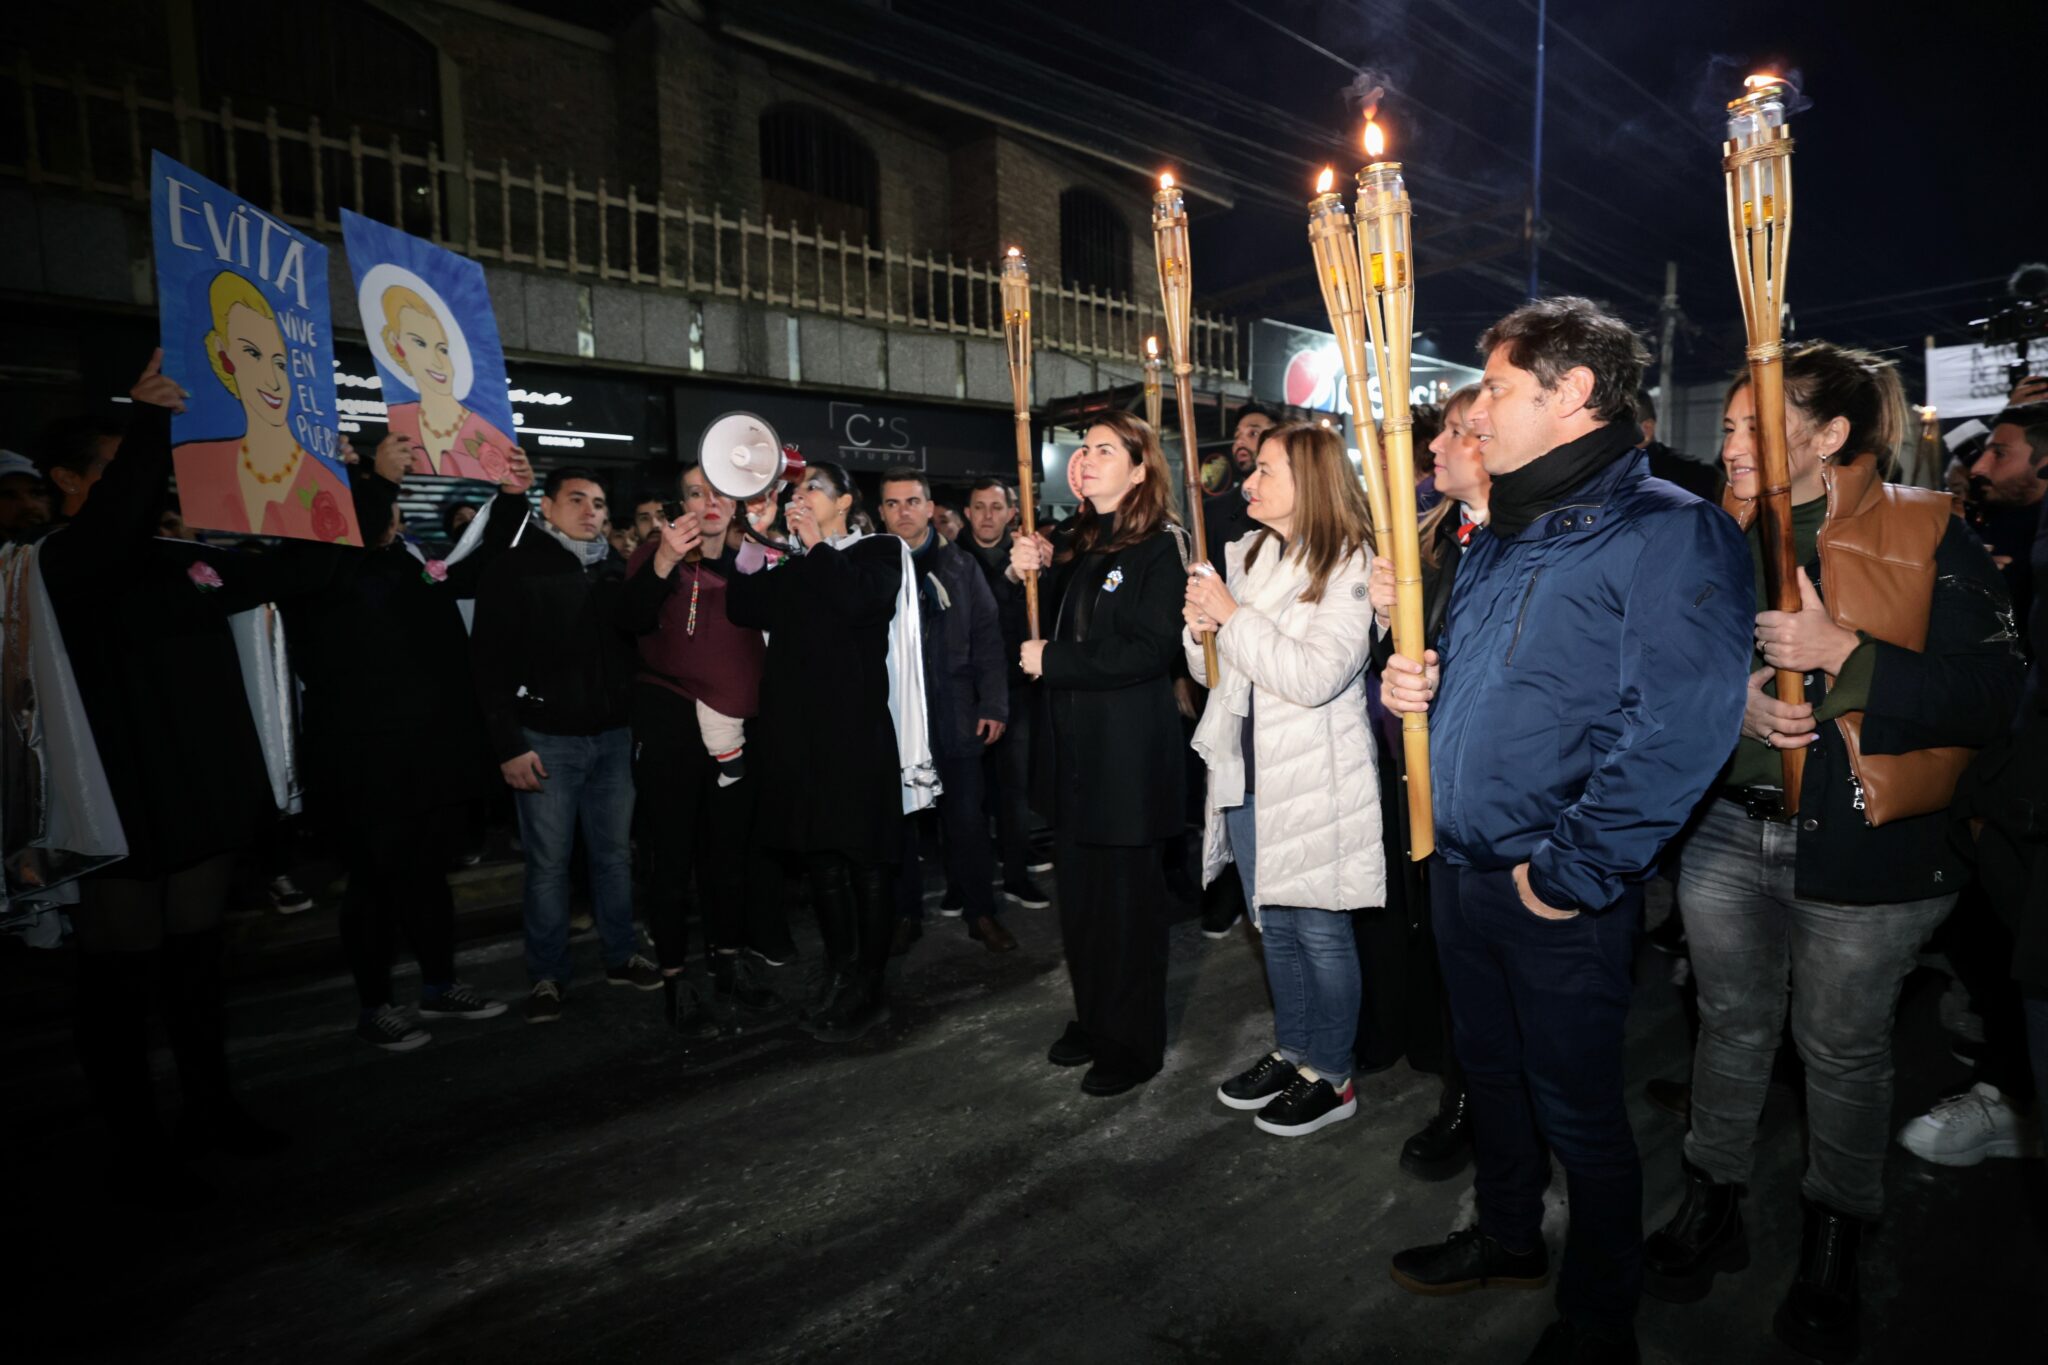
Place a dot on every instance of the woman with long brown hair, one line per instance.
(1292, 795)
(1905, 632)
(1111, 784)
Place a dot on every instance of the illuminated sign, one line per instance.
(1303, 368)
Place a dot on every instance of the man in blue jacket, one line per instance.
(1592, 673)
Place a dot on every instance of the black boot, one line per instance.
(1444, 1148)
(195, 1016)
(1705, 1236)
(1818, 1316)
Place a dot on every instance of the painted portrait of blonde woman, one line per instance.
(259, 480)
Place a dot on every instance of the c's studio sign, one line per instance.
(866, 436)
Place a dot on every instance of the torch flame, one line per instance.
(1758, 81)
(1015, 252)
(1166, 181)
(1375, 140)
(1325, 180)
(1152, 347)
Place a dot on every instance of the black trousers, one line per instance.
(1006, 788)
(1113, 920)
(689, 825)
(152, 940)
(398, 881)
(963, 824)
(856, 915)
(1540, 1010)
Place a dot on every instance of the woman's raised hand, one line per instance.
(394, 457)
(1208, 598)
(157, 388)
(1028, 553)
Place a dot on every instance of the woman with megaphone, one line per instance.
(1113, 578)
(839, 765)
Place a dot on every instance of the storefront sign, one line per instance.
(1302, 368)
(949, 444)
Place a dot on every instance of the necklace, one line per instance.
(290, 466)
(696, 580)
(461, 415)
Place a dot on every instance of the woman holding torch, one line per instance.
(1292, 795)
(1910, 663)
(1113, 579)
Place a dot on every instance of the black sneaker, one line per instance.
(952, 903)
(389, 1029)
(1306, 1105)
(286, 896)
(1259, 1084)
(1444, 1147)
(1039, 868)
(460, 1002)
(1220, 911)
(636, 971)
(1469, 1259)
(1027, 894)
(544, 1004)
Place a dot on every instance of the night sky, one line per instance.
(1903, 227)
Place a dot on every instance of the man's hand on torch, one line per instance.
(1381, 587)
(1408, 687)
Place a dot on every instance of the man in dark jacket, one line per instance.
(967, 698)
(1006, 770)
(554, 664)
(1697, 477)
(1593, 671)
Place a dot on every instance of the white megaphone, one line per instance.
(743, 458)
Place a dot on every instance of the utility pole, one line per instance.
(1536, 160)
(1669, 314)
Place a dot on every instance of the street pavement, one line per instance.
(601, 1189)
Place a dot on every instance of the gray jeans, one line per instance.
(1755, 945)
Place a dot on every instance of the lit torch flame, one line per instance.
(1375, 140)
(1758, 81)
(1166, 181)
(1014, 253)
(1152, 347)
(1325, 180)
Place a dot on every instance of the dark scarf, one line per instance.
(1520, 498)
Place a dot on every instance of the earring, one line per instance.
(226, 364)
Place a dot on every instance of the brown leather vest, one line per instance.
(1877, 571)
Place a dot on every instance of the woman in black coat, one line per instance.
(394, 748)
(1114, 579)
(145, 623)
(828, 758)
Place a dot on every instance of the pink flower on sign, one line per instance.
(436, 571)
(202, 575)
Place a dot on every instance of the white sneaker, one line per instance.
(1964, 1129)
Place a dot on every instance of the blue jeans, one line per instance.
(1757, 950)
(1539, 1012)
(589, 785)
(1311, 965)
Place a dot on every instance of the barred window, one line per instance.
(1095, 242)
(816, 171)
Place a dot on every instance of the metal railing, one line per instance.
(72, 132)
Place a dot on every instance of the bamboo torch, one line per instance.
(1153, 399)
(1336, 254)
(1170, 244)
(1016, 284)
(1386, 268)
(1757, 160)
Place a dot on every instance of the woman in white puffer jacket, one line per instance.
(1293, 796)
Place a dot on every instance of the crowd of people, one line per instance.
(1600, 689)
